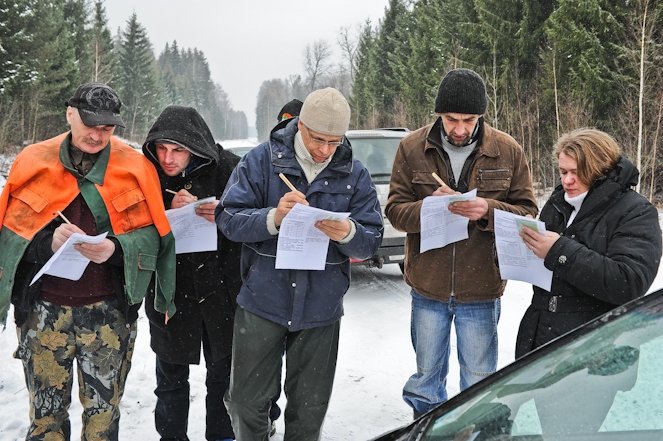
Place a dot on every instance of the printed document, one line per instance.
(66, 262)
(517, 262)
(301, 245)
(439, 226)
(192, 233)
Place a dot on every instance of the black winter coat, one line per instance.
(609, 255)
(207, 283)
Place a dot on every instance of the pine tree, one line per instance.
(139, 89)
(15, 44)
(105, 67)
(420, 65)
(362, 101)
(168, 60)
(77, 18)
(17, 66)
(56, 73)
(586, 38)
(383, 82)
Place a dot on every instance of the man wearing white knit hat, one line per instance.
(300, 309)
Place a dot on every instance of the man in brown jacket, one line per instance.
(460, 282)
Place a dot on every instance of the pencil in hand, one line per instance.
(168, 190)
(287, 182)
(439, 180)
(64, 218)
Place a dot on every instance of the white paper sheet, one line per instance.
(66, 262)
(192, 233)
(517, 262)
(439, 226)
(301, 245)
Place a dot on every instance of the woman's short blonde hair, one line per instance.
(595, 152)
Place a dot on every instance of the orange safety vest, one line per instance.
(39, 186)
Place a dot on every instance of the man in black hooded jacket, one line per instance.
(193, 166)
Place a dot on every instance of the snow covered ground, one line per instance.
(375, 359)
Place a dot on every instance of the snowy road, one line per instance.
(375, 359)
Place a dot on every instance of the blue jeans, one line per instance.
(476, 336)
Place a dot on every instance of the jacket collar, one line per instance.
(98, 171)
(487, 145)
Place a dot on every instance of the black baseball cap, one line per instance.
(97, 104)
(290, 110)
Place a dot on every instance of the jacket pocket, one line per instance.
(132, 209)
(424, 177)
(493, 183)
(30, 198)
(147, 262)
(423, 183)
(334, 195)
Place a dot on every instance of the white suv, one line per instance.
(376, 149)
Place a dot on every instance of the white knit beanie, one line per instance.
(326, 111)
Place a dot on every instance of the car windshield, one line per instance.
(377, 155)
(605, 384)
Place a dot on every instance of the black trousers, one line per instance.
(274, 409)
(171, 414)
(310, 367)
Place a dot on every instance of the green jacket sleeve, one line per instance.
(164, 299)
(145, 253)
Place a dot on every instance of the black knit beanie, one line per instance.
(461, 91)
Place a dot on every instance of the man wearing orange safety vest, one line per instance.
(84, 181)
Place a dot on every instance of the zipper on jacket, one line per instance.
(453, 271)
(447, 164)
(561, 211)
(291, 306)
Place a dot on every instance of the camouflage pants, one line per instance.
(102, 343)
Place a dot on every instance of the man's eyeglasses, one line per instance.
(322, 142)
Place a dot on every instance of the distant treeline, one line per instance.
(549, 67)
(47, 48)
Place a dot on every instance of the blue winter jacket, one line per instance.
(296, 299)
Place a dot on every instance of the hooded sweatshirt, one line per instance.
(207, 283)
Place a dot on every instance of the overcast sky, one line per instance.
(246, 41)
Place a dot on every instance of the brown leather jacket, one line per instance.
(499, 171)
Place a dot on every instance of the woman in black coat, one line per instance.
(192, 165)
(603, 246)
